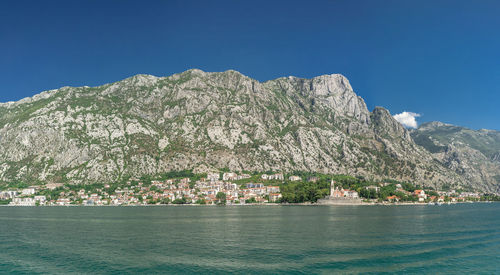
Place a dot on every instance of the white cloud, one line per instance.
(407, 119)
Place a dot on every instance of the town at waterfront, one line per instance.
(229, 188)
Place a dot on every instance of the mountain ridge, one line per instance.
(208, 121)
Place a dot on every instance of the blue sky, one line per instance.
(440, 59)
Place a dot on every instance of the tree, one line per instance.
(201, 201)
(165, 201)
(368, 193)
(251, 200)
(432, 193)
(221, 198)
(408, 187)
(179, 201)
(146, 180)
(387, 191)
(5, 202)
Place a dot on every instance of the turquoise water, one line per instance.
(454, 239)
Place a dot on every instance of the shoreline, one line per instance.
(259, 204)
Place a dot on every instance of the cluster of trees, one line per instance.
(182, 174)
(13, 185)
(304, 191)
(221, 198)
(490, 197)
(180, 201)
(52, 194)
(5, 202)
(201, 201)
(251, 200)
(386, 191)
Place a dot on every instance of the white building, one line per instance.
(351, 194)
(23, 202)
(278, 176)
(9, 194)
(229, 176)
(213, 176)
(28, 191)
(40, 199)
(373, 187)
(272, 189)
(63, 201)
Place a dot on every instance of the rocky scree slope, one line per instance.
(207, 121)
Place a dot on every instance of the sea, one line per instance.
(424, 239)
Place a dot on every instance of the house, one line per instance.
(312, 179)
(420, 194)
(183, 185)
(278, 176)
(229, 176)
(213, 176)
(398, 189)
(254, 185)
(373, 187)
(23, 202)
(63, 201)
(230, 186)
(351, 194)
(264, 176)
(40, 199)
(243, 176)
(28, 191)
(274, 197)
(294, 178)
(257, 190)
(9, 194)
(393, 198)
(95, 197)
(272, 189)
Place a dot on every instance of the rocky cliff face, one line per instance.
(471, 154)
(207, 121)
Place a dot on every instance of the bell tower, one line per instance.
(332, 188)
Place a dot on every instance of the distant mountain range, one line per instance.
(475, 155)
(225, 120)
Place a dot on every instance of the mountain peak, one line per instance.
(434, 124)
(332, 81)
(385, 124)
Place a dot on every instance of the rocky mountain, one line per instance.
(207, 121)
(475, 155)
